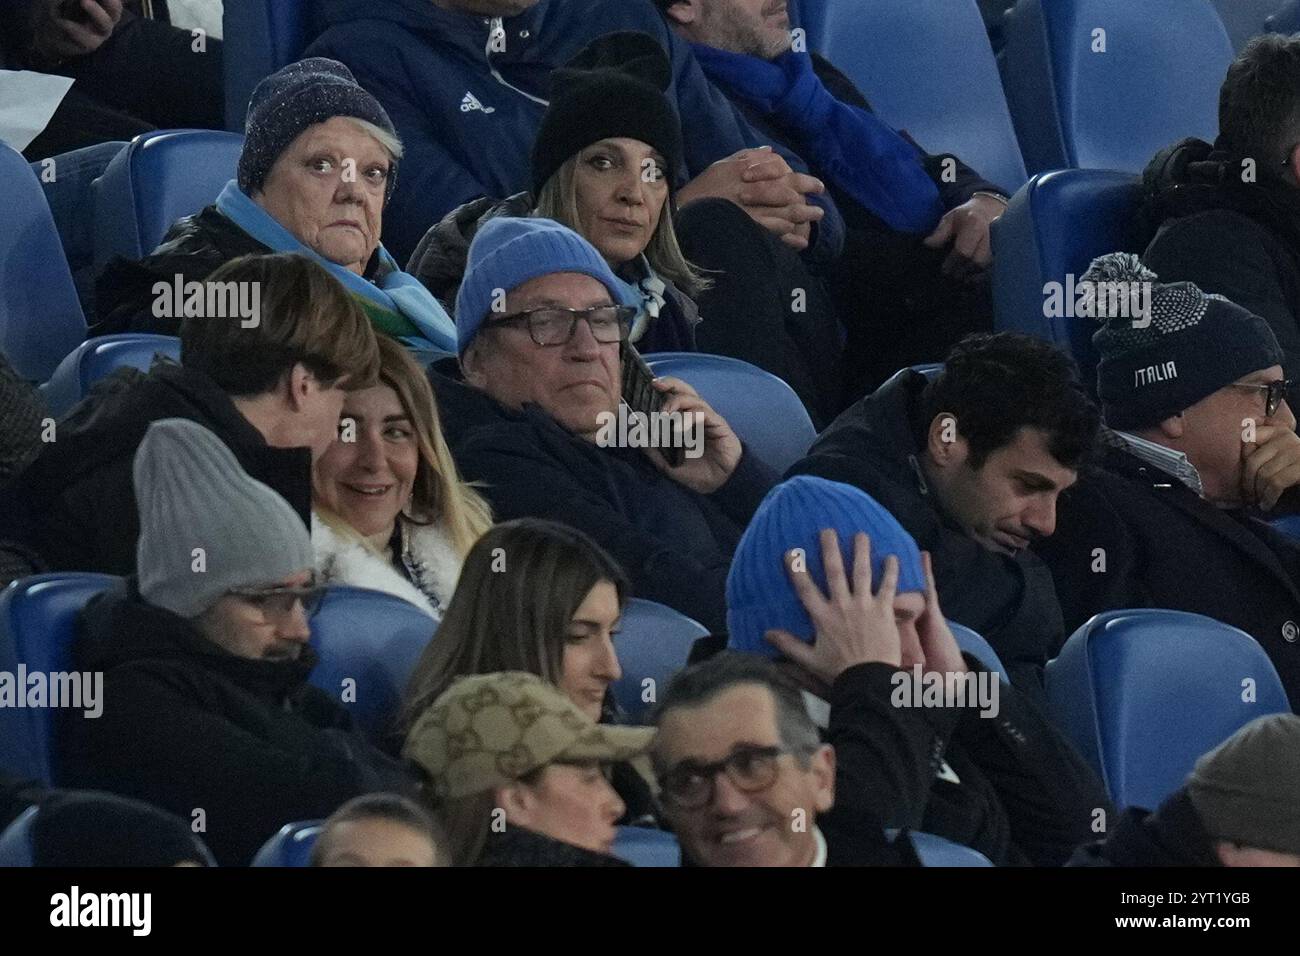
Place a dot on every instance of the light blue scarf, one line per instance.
(394, 290)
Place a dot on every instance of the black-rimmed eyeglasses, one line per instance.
(690, 785)
(1278, 392)
(553, 326)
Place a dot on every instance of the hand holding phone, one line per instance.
(641, 396)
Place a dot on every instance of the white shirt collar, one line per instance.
(1173, 463)
(819, 859)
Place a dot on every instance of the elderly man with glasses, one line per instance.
(1202, 453)
(542, 327)
(206, 710)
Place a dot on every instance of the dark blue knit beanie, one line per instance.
(299, 95)
(760, 596)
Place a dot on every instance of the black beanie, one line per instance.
(1190, 345)
(614, 87)
(297, 96)
(86, 828)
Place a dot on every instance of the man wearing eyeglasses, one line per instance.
(206, 710)
(1202, 453)
(542, 336)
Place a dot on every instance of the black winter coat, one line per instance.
(1166, 547)
(1023, 795)
(1172, 836)
(194, 248)
(440, 258)
(875, 445)
(518, 846)
(187, 725)
(1239, 240)
(675, 544)
(75, 504)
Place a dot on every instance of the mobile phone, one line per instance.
(72, 10)
(641, 395)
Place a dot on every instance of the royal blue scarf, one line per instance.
(850, 146)
(393, 290)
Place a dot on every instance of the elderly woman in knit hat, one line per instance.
(605, 164)
(319, 162)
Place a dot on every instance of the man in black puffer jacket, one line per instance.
(1228, 215)
(206, 710)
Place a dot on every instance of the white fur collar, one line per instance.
(349, 562)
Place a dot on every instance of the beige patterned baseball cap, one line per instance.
(491, 729)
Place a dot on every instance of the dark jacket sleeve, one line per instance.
(886, 757)
(955, 188)
(1052, 798)
(21, 412)
(1096, 563)
(527, 482)
(741, 494)
(1193, 250)
(248, 787)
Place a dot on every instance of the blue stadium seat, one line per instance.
(810, 15)
(40, 316)
(37, 628)
(974, 644)
(643, 846)
(374, 640)
(1053, 228)
(1143, 693)
(926, 66)
(272, 33)
(1285, 19)
(158, 178)
(16, 840)
(939, 851)
(100, 357)
(292, 846)
(1244, 19)
(763, 410)
(1157, 81)
(654, 642)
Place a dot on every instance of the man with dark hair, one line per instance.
(1200, 442)
(270, 386)
(380, 829)
(971, 463)
(1228, 215)
(912, 277)
(747, 781)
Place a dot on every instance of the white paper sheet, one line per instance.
(27, 101)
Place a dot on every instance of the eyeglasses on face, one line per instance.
(552, 326)
(1278, 392)
(277, 603)
(690, 785)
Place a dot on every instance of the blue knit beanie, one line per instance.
(760, 596)
(507, 252)
(299, 95)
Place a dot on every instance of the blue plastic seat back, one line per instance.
(940, 851)
(16, 841)
(291, 846)
(99, 358)
(158, 178)
(1244, 19)
(810, 16)
(272, 34)
(40, 316)
(1143, 693)
(643, 846)
(368, 643)
(654, 643)
(974, 644)
(1156, 82)
(926, 66)
(1052, 230)
(762, 410)
(38, 617)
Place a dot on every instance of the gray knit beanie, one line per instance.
(1247, 789)
(1190, 345)
(192, 494)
